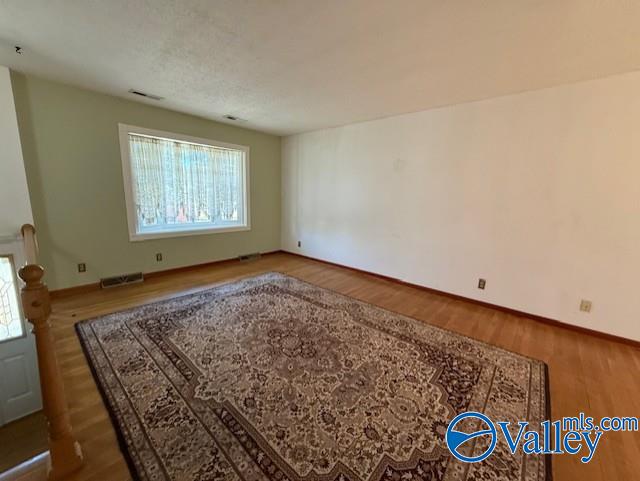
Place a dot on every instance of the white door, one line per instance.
(19, 381)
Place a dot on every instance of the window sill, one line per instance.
(186, 233)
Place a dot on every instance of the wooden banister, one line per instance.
(30, 244)
(64, 451)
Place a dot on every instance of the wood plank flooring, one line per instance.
(587, 374)
(22, 439)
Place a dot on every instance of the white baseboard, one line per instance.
(34, 469)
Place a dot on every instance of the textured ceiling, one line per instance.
(297, 65)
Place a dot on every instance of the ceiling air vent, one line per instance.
(121, 280)
(142, 94)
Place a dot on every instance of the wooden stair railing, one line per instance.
(65, 454)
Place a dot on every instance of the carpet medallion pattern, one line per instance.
(274, 379)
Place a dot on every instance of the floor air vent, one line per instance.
(121, 280)
(249, 257)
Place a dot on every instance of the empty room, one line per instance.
(302, 240)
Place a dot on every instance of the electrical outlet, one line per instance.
(82, 267)
(585, 306)
(482, 283)
(159, 257)
(299, 244)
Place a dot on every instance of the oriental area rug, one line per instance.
(274, 379)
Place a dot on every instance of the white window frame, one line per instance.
(134, 235)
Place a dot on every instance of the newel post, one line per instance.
(64, 452)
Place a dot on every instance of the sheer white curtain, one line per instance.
(180, 183)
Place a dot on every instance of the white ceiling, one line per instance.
(296, 65)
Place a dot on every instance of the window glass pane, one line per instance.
(10, 321)
(184, 186)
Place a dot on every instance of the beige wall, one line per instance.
(72, 158)
(539, 193)
(15, 208)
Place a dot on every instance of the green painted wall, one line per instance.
(72, 158)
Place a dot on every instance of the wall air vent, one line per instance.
(234, 118)
(121, 280)
(142, 94)
(249, 257)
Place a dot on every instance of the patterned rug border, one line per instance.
(414, 319)
(122, 444)
(111, 411)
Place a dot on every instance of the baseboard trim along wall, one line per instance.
(515, 312)
(95, 286)
(86, 288)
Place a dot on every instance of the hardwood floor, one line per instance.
(22, 439)
(596, 376)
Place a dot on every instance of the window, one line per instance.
(177, 185)
(10, 318)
